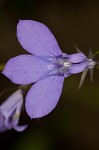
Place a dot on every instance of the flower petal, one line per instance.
(37, 39)
(2, 126)
(25, 69)
(43, 96)
(1, 120)
(11, 103)
(76, 58)
(77, 68)
(20, 128)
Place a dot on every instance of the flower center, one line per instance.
(66, 64)
(60, 66)
(64, 68)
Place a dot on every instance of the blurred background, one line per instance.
(74, 123)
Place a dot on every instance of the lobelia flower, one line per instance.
(46, 65)
(10, 112)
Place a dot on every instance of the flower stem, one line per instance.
(2, 67)
(96, 53)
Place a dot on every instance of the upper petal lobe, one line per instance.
(77, 68)
(76, 58)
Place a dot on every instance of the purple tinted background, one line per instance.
(74, 123)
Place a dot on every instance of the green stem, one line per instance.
(1, 67)
(96, 53)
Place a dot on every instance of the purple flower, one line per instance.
(10, 112)
(46, 65)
